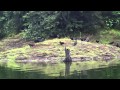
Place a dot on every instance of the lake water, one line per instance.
(58, 71)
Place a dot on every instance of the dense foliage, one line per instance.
(45, 24)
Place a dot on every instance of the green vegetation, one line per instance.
(109, 35)
(35, 24)
(20, 29)
(51, 51)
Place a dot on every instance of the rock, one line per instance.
(107, 56)
(85, 58)
(21, 58)
(97, 58)
(76, 59)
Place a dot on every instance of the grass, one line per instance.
(107, 36)
(52, 48)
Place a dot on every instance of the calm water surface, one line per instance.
(58, 71)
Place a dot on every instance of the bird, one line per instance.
(39, 40)
(54, 36)
(111, 42)
(36, 41)
(97, 41)
(31, 44)
(83, 39)
(117, 45)
(71, 38)
(61, 43)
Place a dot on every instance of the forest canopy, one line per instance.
(34, 24)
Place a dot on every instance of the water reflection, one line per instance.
(58, 71)
(84, 74)
(67, 68)
(111, 72)
(76, 73)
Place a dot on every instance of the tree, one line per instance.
(43, 24)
